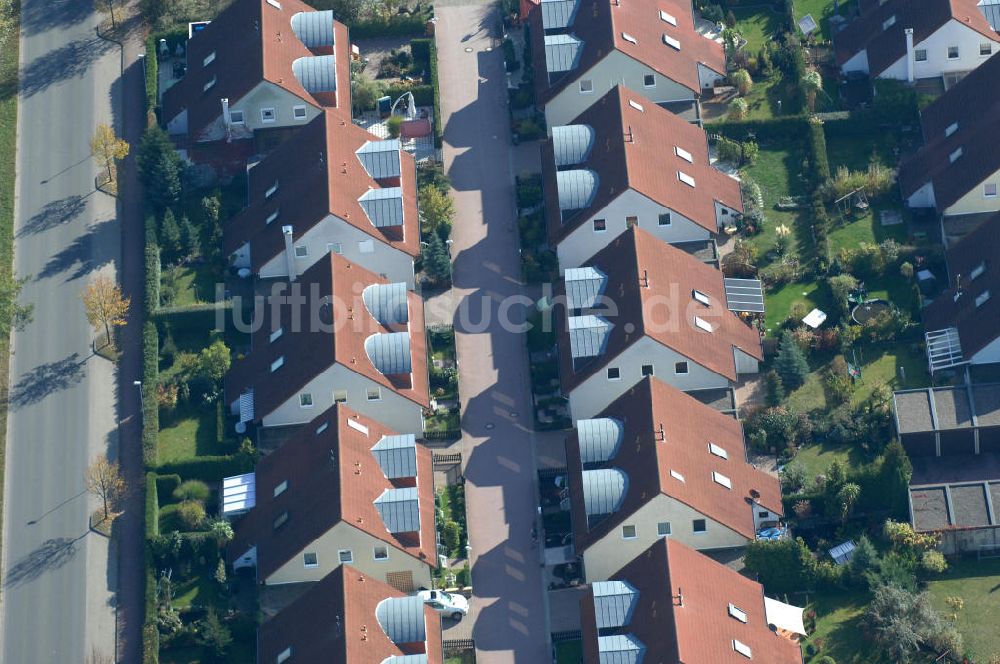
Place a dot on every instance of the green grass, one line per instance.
(199, 590)
(8, 147)
(978, 584)
(777, 172)
(781, 300)
(194, 284)
(821, 10)
(756, 25)
(816, 458)
(838, 618)
(569, 652)
(189, 432)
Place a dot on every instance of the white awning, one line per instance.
(784, 616)
(239, 493)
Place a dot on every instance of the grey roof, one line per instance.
(614, 602)
(991, 10)
(558, 14)
(584, 286)
(947, 408)
(399, 509)
(562, 53)
(744, 295)
(603, 490)
(316, 73)
(396, 455)
(387, 303)
(314, 28)
(381, 158)
(384, 206)
(620, 649)
(406, 659)
(389, 352)
(402, 619)
(588, 335)
(577, 188)
(572, 143)
(599, 439)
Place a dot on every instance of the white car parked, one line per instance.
(452, 605)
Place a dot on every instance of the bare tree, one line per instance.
(105, 481)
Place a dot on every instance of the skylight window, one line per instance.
(982, 298)
(701, 297)
(889, 22)
(677, 476)
(950, 129)
(357, 426)
(670, 41)
(277, 364)
(685, 178)
(209, 59)
(737, 612)
(742, 649)
(274, 3)
(684, 154)
(977, 271)
(277, 333)
(636, 105)
(702, 324)
(323, 427)
(629, 38)
(955, 155)
(209, 85)
(669, 18)
(718, 451)
(722, 479)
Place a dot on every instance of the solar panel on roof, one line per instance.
(744, 295)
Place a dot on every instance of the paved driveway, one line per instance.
(510, 619)
(57, 603)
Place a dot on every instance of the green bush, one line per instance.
(208, 468)
(152, 506)
(450, 532)
(780, 128)
(421, 51)
(150, 378)
(152, 276)
(818, 157)
(191, 513)
(152, 67)
(192, 490)
(463, 579)
(436, 84)
(782, 566)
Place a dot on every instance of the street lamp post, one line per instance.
(142, 406)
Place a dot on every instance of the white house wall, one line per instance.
(990, 353)
(595, 393)
(612, 552)
(857, 62)
(394, 410)
(708, 77)
(923, 197)
(584, 242)
(385, 259)
(264, 95)
(951, 33)
(614, 69)
(974, 202)
(745, 363)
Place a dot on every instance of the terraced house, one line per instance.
(626, 162)
(344, 490)
(641, 307)
(673, 604)
(351, 618)
(583, 48)
(261, 65)
(658, 463)
(331, 187)
(339, 334)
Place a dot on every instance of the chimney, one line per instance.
(286, 231)
(679, 598)
(660, 433)
(909, 55)
(227, 119)
(644, 280)
(629, 138)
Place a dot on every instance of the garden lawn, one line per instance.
(778, 172)
(189, 432)
(200, 590)
(838, 618)
(569, 652)
(195, 284)
(863, 228)
(757, 25)
(821, 10)
(779, 302)
(816, 458)
(978, 584)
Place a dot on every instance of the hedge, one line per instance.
(772, 129)
(400, 25)
(208, 468)
(420, 49)
(200, 317)
(438, 126)
(423, 95)
(152, 72)
(150, 379)
(818, 158)
(152, 287)
(151, 641)
(150, 633)
(166, 484)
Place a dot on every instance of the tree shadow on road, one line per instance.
(51, 555)
(55, 213)
(71, 60)
(45, 379)
(88, 252)
(39, 16)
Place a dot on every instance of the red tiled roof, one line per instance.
(664, 310)
(322, 493)
(974, 105)
(886, 46)
(647, 163)
(308, 352)
(601, 25)
(316, 181)
(253, 41)
(682, 611)
(334, 622)
(688, 427)
(977, 326)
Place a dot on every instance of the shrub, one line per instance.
(742, 80)
(738, 109)
(933, 562)
(775, 389)
(394, 125)
(150, 640)
(793, 477)
(213, 635)
(451, 535)
(191, 513)
(751, 193)
(192, 490)
(782, 566)
(159, 168)
(464, 577)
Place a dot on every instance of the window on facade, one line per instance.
(614, 373)
(985, 48)
(380, 552)
(268, 115)
(236, 117)
(309, 559)
(301, 251)
(628, 531)
(920, 55)
(374, 393)
(345, 556)
(952, 52)
(366, 246)
(664, 219)
(281, 520)
(600, 225)
(649, 80)
(663, 529)
(990, 189)
(699, 525)
(335, 247)
(299, 112)
(647, 370)
(586, 86)
(306, 400)
(281, 488)
(631, 221)
(680, 368)
(340, 396)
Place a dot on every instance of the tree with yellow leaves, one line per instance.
(108, 149)
(105, 305)
(105, 482)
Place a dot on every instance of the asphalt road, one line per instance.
(56, 602)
